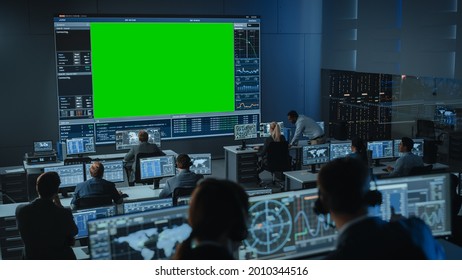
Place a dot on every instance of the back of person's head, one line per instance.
(143, 136)
(97, 169)
(218, 208)
(292, 114)
(48, 184)
(275, 131)
(358, 143)
(183, 161)
(408, 143)
(344, 185)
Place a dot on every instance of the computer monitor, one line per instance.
(125, 139)
(244, 132)
(70, 176)
(315, 154)
(81, 145)
(147, 235)
(113, 170)
(340, 149)
(201, 163)
(43, 146)
(284, 226)
(143, 205)
(157, 167)
(81, 217)
(427, 197)
(321, 124)
(417, 150)
(380, 150)
(265, 129)
(258, 191)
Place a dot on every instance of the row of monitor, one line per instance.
(249, 131)
(281, 226)
(385, 149)
(150, 168)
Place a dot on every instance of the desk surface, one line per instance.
(302, 176)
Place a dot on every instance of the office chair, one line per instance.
(277, 161)
(138, 171)
(421, 170)
(180, 192)
(93, 201)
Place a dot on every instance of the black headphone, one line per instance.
(239, 230)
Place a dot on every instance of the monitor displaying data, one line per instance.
(82, 217)
(147, 205)
(150, 235)
(190, 76)
(70, 175)
(125, 139)
(418, 148)
(43, 146)
(157, 167)
(340, 149)
(81, 145)
(381, 149)
(258, 191)
(265, 129)
(314, 154)
(426, 197)
(201, 163)
(245, 131)
(284, 226)
(113, 170)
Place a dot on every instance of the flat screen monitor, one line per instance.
(258, 191)
(147, 205)
(43, 146)
(314, 154)
(70, 175)
(265, 129)
(81, 218)
(113, 170)
(201, 163)
(284, 226)
(381, 149)
(125, 139)
(81, 145)
(150, 235)
(245, 131)
(418, 148)
(157, 167)
(340, 149)
(425, 196)
(191, 76)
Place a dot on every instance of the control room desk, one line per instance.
(300, 179)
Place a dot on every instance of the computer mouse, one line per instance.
(124, 195)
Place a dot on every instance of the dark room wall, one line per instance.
(291, 60)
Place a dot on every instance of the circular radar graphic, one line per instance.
(271, 227)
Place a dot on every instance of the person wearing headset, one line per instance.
(184, 178)
(344, 192)
(218, 214)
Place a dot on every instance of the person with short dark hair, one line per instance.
(358, 149)
(305, 127)
(184, 178)
(344, 192)
(407, 161)
(96, 186)
(218, 214)
(143, 147)
(47, 229)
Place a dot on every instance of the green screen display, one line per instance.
(154, 69)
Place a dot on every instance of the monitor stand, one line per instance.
(243, 146)
(313, 169)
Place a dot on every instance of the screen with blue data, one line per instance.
(314, 154)
(125, 139)
(70, 175)
(82, 217)
(381, 149)
(151, 235)
(427, 197)
(188, 76)
(146, 205)
(418, 148)
(81, 145)
(284, 226)
(157, 167)
(340, 149)
(113, 170)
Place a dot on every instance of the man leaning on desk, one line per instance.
(305, 127)
(143, 147)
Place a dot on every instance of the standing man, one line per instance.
(47, 228)
(305, 127)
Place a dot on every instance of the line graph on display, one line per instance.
(432, 213)
(246, 43)
(270, 228)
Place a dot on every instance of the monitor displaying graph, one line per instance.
(284, 226)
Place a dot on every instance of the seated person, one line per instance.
(275, 136)
(184, 178)
(407, 161)
(96, 186)
(218, 214)
(47, 228)
(344, 192)
(143, 147)
(305, 127)
(358, 149)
